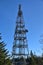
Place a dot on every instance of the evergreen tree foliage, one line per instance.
(35, 60)
(4, 57)
(32, 59)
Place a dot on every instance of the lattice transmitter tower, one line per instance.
(20, 46)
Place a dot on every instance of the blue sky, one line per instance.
(33, 18)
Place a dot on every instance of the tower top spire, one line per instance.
(19, 6)
(20, 11)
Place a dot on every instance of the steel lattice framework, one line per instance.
(20, 46)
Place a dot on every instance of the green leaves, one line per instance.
(4, 56)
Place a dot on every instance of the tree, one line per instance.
(4, 57)
(32, 59)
